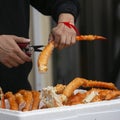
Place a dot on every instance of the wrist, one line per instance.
(66, 17)
(70, 26)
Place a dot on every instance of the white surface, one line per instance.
(40, 26)
(106, 110)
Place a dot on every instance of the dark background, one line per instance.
(95, 60)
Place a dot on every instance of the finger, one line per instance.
(57, 38)
(50, 38)
(14, 60)
(22, 55)
(68, 40)
(10, 63)
(13, 63)
(73, 39)
(57, 41)
(18, 59)
(21, 39)
(62, 42)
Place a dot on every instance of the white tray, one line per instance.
(105, 110)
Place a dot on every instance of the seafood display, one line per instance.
(60, 95)
(47, 51)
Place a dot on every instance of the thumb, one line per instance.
(51, 38)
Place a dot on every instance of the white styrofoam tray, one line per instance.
(105, 110)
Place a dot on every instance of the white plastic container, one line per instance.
(105, 110)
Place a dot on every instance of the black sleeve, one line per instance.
(55, 7)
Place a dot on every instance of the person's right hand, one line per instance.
(10, 53)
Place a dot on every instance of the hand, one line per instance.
(10, 53)
(63, 35)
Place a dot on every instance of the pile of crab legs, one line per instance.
(97, 94)
(59, 95)
(98, 91)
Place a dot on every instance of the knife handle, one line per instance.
(25, 48)
(22, 45)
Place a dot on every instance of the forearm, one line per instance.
(69, 7)
(57, 7)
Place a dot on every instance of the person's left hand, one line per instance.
(63, 35)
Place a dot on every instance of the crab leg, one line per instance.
(74, 84)
(78, 82)
(36, 99)
(47, 51)
(12, 101)
(20, 100)
(2, 100)
(89, 37)
(44, 56)
(27, 95)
